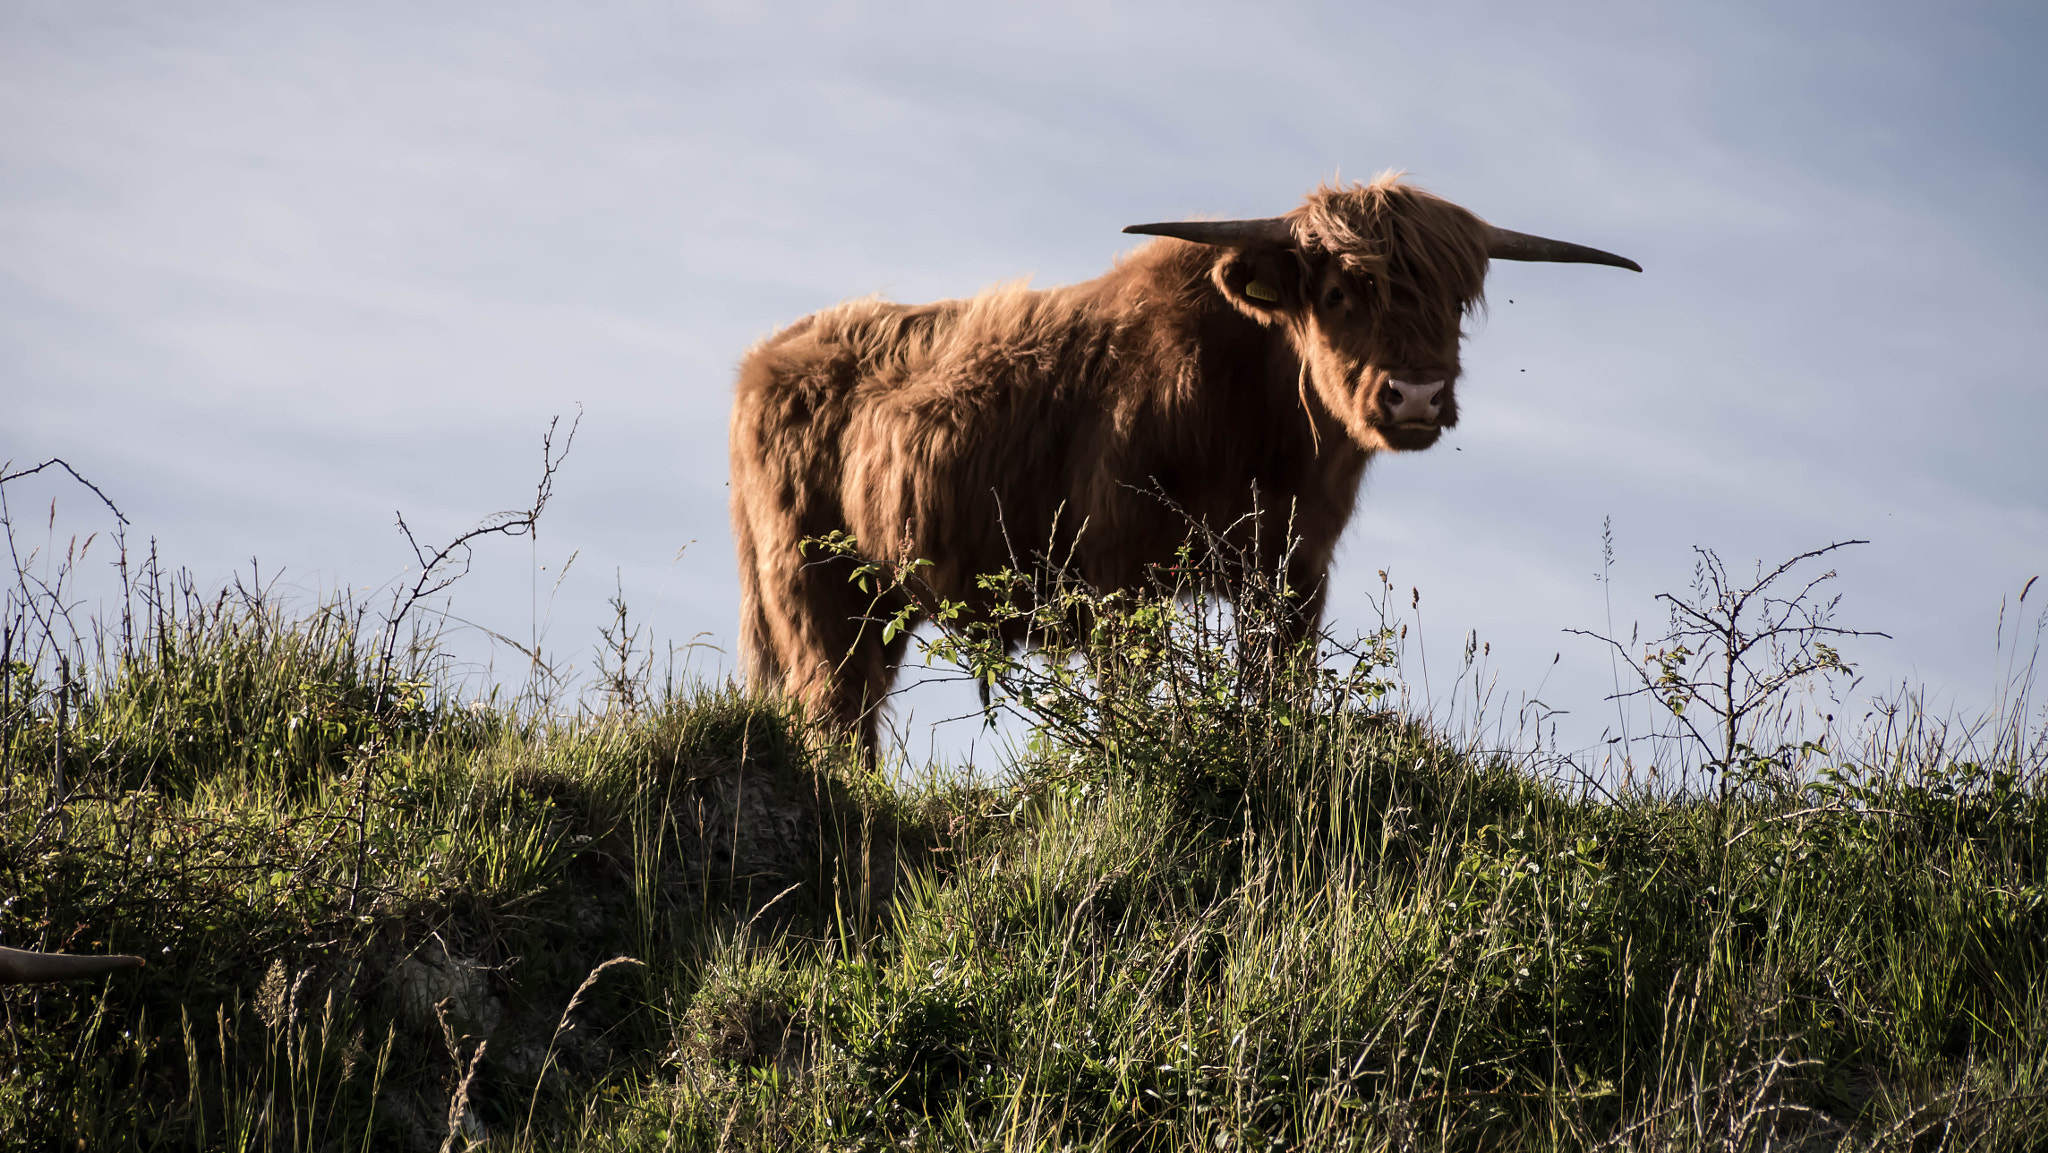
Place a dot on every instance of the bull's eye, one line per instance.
(1334, 297)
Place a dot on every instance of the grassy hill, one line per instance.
(1215, 902)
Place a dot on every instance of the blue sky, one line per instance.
(270, 273)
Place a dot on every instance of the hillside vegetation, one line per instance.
(1217, 900)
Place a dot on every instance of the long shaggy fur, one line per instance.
(980, 433)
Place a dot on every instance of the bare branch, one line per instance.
(59, 462)
(1733, 651)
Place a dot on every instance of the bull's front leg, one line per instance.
(1301, 608)
(1285, 623)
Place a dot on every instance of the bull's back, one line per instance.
(796, 394)
(925, 430)
(968, 455)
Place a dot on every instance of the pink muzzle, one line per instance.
(1412, 401)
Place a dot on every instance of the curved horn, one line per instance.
(1507, 245)
(1223, 233)
(21, 967)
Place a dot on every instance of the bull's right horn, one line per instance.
(1223, 233)
(1509, 245)
(21, 967)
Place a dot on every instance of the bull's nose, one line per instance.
(1408, 400)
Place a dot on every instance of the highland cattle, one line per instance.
(1240, 373)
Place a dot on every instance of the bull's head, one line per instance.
(21, 967)
(1372, 283)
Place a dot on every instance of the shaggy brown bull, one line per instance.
(1245, 371)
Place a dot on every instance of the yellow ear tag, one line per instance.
(1260, 290)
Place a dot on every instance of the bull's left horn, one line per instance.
(1223, 233)
(1507, 245)
(21, 967)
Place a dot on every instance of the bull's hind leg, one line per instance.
(760, 664)
(836, 660)
(806, 629)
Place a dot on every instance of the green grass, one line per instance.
(1212, 904)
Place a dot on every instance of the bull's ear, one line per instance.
(1264, 283)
